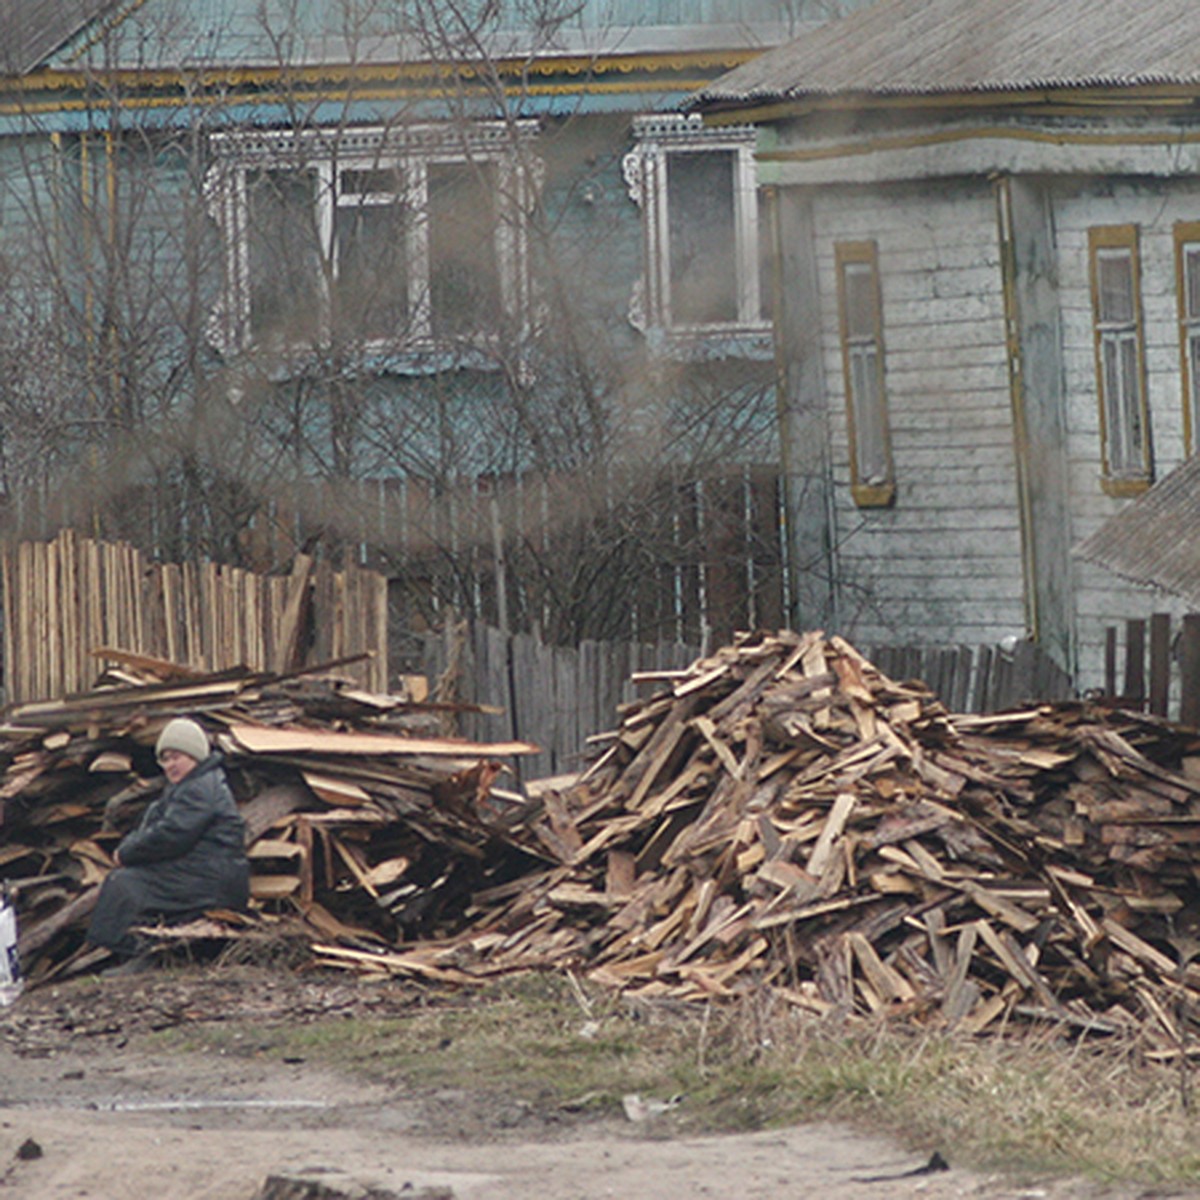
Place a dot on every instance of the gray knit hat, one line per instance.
(184, 735)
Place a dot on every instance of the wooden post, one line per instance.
(1110, 662)
(1160, 662)
(1134, 692)
(1189, 672)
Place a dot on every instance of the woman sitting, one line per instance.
(186, 855)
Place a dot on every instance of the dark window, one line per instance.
(702, 237)
(284, 255)
(464, 270)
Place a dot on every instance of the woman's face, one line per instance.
(176, 765)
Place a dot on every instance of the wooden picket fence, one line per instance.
(1161, 671)
(558, 697)
(70, 597)
(978, 679)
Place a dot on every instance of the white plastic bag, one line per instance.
(11, 982)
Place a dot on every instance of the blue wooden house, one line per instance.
(451, 288)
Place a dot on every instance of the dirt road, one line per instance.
(88, 1112)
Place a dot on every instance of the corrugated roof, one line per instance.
(32, 30)
(1156, 539)
(898, 47)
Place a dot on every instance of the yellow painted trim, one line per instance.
(1064, 100)
(1186, 233)
(130, 103)
(1167, 137)
(866, 495)
(130, 80)
(1124, 237)
(1123, 488)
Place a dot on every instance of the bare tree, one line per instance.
(218, 342)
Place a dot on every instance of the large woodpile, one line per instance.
(364, 824)
(778, 815)
(784, 815)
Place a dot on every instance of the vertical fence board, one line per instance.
(1160, 662)
(1189, 671)
(68, 597)
(1133, 692)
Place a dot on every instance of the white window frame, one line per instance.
(646, 167)
(410, 151)
(1120, 366)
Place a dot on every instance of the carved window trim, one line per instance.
(646, 168)
(409, 151)
(1120, 351)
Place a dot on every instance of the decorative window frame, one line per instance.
(410, 150)
(1187, 286)
(880, 490)
(1112, 334)
(656, 138)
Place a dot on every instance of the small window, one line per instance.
(702, 237)
(1120, 371)
(701, 285)
(1187, 277)
(860, 316)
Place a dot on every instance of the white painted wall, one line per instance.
(944, 563)
(1103, 599)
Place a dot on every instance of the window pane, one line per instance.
(283, 254)
(1191, 267)
(464, 269)
(870, 439)
(701, 237)
(387, 181)
(858, 281)
(372, 272)
(1122, 408)
(1114, 274)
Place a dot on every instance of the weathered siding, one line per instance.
(944, 562)
(1103, 599)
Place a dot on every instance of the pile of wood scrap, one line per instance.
(782, 814)
(363, 825)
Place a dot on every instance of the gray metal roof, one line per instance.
(1156, 539)
(923, 47)
(32, 30)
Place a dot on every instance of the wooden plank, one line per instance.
(1160, 662)
(1189, 671)
(258, 739)
(1133, 692)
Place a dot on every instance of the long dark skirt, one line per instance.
(140, 895)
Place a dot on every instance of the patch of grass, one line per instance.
(1035, 1102)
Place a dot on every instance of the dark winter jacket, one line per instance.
(186, 855)
(195, 823)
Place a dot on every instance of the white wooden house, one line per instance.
(987, 244)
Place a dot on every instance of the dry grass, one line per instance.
(1031, 1101)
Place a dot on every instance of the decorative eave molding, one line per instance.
(209, 86)
(484, 137)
